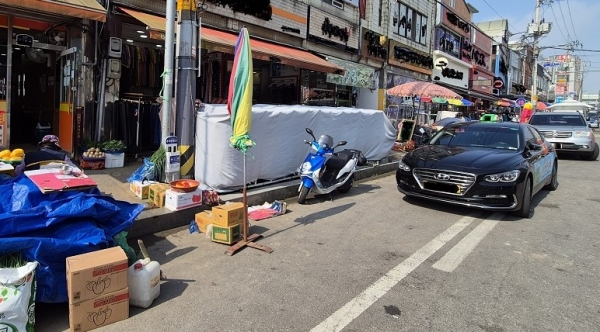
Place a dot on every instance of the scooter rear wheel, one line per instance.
(303, 193)
(346, 186)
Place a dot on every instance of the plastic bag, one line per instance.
(144, 172)
(17, 298)
(121, 241)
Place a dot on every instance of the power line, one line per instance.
(498, 14)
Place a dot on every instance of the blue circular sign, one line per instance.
(520, 101)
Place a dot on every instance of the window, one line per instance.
(421, 32)
(410, 24)
(452, 3)
(336, 3)
(495, 137)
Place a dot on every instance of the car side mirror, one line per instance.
(534, 147)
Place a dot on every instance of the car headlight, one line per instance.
(305, 167)
(403, 166)
(510, 176)
(584, 133)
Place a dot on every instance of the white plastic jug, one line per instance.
(144, 282)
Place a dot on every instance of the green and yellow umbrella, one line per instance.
(239, 97)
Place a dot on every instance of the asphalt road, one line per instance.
(371, 260)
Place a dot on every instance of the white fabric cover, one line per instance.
(278, 131)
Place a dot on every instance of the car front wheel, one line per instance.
(523, 212)
(553, 185)
(594, 155)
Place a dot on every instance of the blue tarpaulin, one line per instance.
(48, 228)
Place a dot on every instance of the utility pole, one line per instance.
(167, 93)
(185, 92)
(538, 28)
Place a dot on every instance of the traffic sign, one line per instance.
(520, 101)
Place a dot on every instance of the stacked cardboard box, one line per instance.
(156, 193)
(97, 289)
(141, 188)
(227, 222)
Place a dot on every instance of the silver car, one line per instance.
(568, 132)
(593, 120)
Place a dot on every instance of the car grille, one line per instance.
(556, 134)
(449, 182)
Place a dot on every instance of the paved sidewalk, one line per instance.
(113, 182)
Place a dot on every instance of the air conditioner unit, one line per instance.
(337, 3)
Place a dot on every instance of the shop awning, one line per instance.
(355, 74)
(155, 24)
(222, 41)
(225, 42)
(88, 9)
(468, 93)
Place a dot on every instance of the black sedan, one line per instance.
(485, 165)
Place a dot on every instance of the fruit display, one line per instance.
(94, 153)
(15, 156)
(185, 185)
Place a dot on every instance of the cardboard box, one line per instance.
(92, 164)
(159, 199)
(176, 200)
(114, 160)
(155, 189)
(101, 311)
(140, 189)
(227, 235)
(228, 214)
(96, 273)
(203, 219)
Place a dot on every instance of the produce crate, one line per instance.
(114, 160)
(91, 163)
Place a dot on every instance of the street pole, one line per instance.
(167, 93)
(185, 91)
(536, 36)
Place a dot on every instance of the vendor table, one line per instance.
(52, 179)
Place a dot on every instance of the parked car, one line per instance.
(593, 119)
(485, 165)
(568, 132)
(444, 122)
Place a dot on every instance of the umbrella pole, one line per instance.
(246, 240)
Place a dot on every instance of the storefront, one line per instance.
(477, 50)
(47, 70)
(406, 65)
(281, 74)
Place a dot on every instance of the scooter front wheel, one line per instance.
(303, 193)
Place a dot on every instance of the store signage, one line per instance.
(329, 29)
(374, 45)
(406, 55)
(498, 83)
(324, 28)
(449, 70)
(458, 22)
(290, 29)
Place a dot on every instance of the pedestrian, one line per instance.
(48, 151)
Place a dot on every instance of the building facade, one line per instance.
(48, 64)
(499, 61)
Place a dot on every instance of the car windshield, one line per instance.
(549, 119)
(593, 115)
(493, 137)
(447, 121)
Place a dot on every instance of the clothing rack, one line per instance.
(139, 100)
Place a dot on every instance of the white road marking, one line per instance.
(351, 310)
(461, 250)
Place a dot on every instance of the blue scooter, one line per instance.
(325, 170)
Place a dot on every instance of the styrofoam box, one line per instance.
(114, 160)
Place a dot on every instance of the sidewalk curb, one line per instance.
(153, 221)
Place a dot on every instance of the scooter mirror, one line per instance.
(310, 132)
(342, 143)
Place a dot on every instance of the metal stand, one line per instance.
(247, 240)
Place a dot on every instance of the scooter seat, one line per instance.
(339, 159)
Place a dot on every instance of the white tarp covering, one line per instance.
(279, 135)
